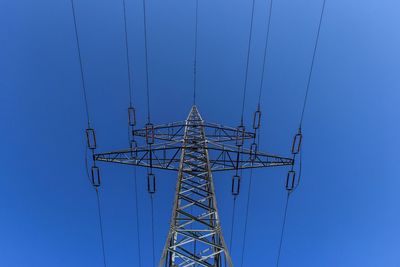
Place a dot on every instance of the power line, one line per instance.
(259, 100)
(127, 55)
(148, 119)
(233, 223)
(137, 218)
(195, 54)
(283, 229)
(265, 51)
(257, 114)
(101, 227)
(130, 129)
(80, 64)
(246, 217)
(88, 129)
(148, 112)
(312, 64)
(247, 61)
(146, 60)
(152, 228)
(291, 186)
(299, 133)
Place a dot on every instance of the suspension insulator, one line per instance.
(291, 180)
(151, 183)
(235, 185)
(257, 120)
(149, 133)
(240, 131)
(95, 176)
(134, 147)
(132, 116)
(253, 151)
(91, 138)
(297, 142)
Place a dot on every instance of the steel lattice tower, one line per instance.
(195, 149)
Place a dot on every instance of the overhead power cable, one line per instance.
(152, 228)
(286, 210)
(255, 124)
(89, 130)
(146, 60)
(149, 131)
(265, 51)
(283, 229)
(195, 53)
(233, 223)
(101, 226)
(149, 125)
(132, 122)
(247, 62)
(242, 126)
(312, 64)
(246, 216)
(127, 56)
(80, 64)
(137, 218)
(299, 132)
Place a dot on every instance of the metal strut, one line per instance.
(195, 149)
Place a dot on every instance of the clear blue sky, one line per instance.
(346, 211)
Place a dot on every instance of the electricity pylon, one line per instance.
(195, 149)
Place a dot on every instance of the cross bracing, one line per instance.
(195, 236)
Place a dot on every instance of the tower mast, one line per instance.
(195, 236)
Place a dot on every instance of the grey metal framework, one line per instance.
(195, 149)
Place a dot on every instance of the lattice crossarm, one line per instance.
(225, 157)
(162, 156)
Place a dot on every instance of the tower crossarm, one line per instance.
(175, 132)
(226, 157)
(166, 156)
(161, 156)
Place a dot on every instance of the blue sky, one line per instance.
(345, 213)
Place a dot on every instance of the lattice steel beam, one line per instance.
(167, 156)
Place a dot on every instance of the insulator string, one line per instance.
(312, 64)
(247, 62)
(127, 56)
(289, 192)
